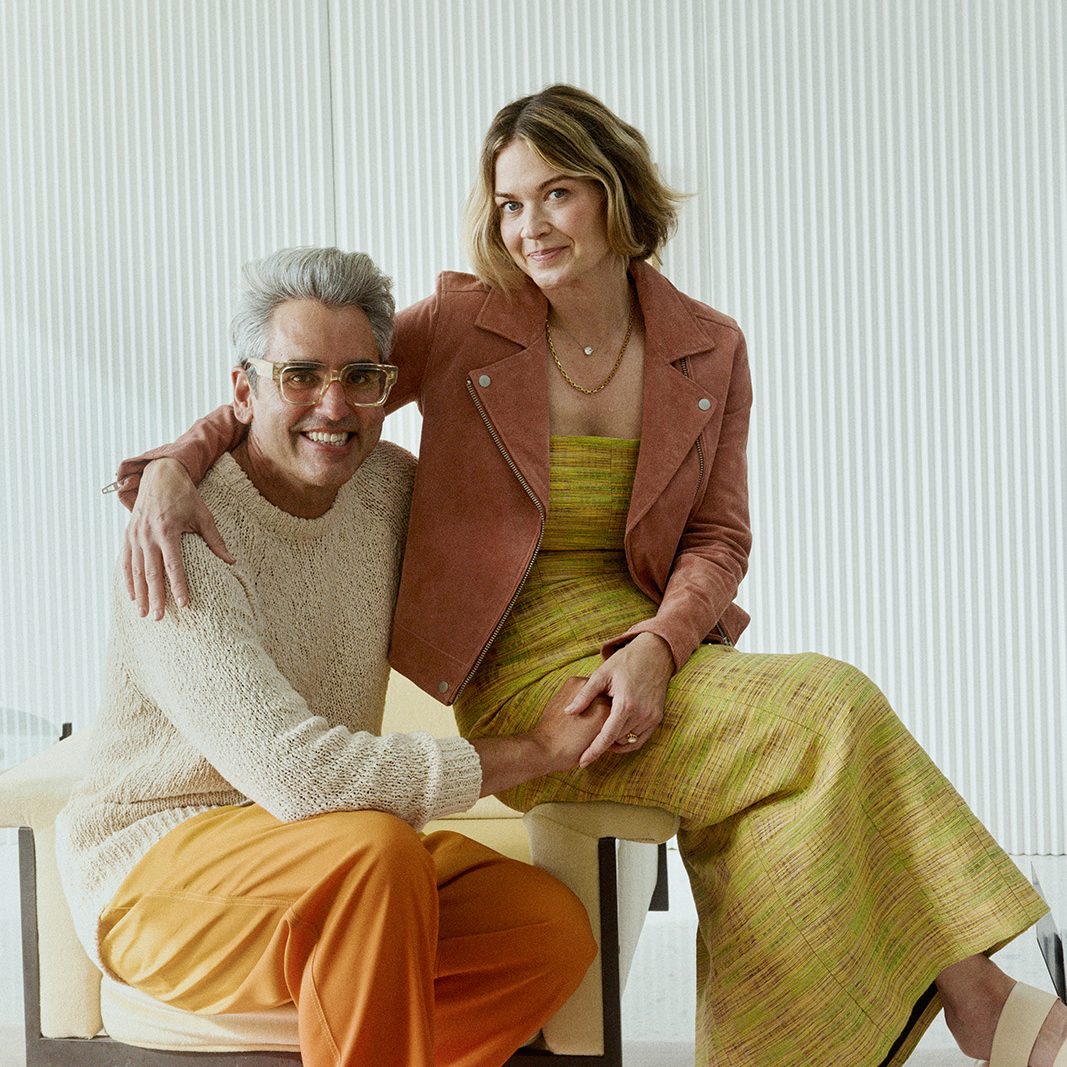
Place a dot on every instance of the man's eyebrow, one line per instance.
(548, 181)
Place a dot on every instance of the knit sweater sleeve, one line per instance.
(205, 667)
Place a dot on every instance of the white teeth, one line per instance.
(327, 438)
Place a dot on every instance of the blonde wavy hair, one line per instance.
(575, 133)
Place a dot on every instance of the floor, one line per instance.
(659, 1003)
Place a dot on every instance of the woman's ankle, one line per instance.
(973, 992)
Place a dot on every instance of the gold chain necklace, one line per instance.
(611, 373)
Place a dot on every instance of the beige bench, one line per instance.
(605, 852)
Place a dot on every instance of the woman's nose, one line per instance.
(534, 225)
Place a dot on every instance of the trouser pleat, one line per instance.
(396, 949)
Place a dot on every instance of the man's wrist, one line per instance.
(512, 760)
(541, 752)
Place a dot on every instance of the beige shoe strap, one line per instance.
(1019, 1024)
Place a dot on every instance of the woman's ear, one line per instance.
(242, 395)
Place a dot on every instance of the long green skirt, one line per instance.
(835, 870)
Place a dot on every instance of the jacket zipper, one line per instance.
(721, 630)
(537, 548)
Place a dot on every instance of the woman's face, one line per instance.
(554, 227)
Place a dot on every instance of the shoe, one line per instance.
(1020, 1022)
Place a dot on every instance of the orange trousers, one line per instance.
(396, 948)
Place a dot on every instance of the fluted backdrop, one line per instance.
(878, 198)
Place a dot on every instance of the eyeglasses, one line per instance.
(365, 385)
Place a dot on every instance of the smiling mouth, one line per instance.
(543, 253)
(320, 437)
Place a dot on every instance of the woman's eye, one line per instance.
(509, 207)
(557, 194)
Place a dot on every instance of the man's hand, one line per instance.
(554, 744)
(168, 505)
(565, 737)
(636, 679)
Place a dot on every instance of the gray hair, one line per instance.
(334, 278)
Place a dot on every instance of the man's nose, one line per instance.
(333, 404)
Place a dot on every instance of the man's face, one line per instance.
(298, 457)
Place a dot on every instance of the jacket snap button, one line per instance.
(442, 687)
(483, 381)
(703, 403)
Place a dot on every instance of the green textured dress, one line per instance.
(834, 868)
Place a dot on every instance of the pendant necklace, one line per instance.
(588, 350)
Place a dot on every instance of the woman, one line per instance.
(580, 508)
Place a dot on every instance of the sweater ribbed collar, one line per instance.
(228, 476)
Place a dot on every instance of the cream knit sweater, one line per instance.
(268, 688)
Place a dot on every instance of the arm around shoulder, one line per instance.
(197, 449)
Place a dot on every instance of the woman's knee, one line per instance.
(853, 704)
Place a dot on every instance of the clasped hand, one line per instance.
(635, 678)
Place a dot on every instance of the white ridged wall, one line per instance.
(880, 201)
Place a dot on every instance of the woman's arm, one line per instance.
(167, 505)
(196, 450)
(170, 506)
(712, 555)
(711, 560)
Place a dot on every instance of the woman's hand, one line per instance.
(168, 505)
(635, 678)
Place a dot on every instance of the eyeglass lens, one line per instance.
(361, 385)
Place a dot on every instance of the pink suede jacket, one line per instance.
(476, 364)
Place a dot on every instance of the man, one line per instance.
(244, 837)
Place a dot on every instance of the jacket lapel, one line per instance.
(513, 391)
(671, 421)
(516, 397)
(672, 417)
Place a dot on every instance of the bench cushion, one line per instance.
(135, 1018)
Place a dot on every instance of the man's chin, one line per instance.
(331, 472)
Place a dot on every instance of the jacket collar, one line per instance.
(516, 398)
(671, 329)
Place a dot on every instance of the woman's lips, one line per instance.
(543, 255)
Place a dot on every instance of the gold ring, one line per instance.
(631, 738)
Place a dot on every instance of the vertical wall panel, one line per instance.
(880, 202)
(148, 148)
(891, 237)
(908, 469)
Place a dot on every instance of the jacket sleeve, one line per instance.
(196, 449)
(206, 669)
(712, 555)
(413, 339)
